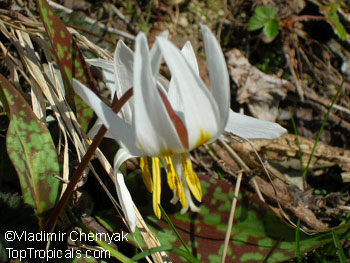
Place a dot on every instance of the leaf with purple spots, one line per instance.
(32, 152)
(70, 60)
(256, 229)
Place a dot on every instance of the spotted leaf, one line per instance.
(70, 60)
(32, 152)
(256, 230)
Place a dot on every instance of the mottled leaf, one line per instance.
(32, 152)
(84, 113)
(256, 230)
(69, 58)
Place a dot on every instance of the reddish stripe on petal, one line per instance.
(179, 125)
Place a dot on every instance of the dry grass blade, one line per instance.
(232, 216)
(47, 87)
(235, 156)
(277, 192)
(91, 21)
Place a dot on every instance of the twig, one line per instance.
(232, 215)
(290, 56)
(324, 102)
(242, 164)
(123, 18)
(92, 21)
(15, 15)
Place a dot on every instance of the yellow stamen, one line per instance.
(171, 174)
(180, 192)
(174, 182)
(167, 152)
(146, 174)
(157, 186)
(191, 177)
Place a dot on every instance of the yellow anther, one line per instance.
(146, 174)
(171, 174)
(157, 186)
(191, 177)
(174, 182)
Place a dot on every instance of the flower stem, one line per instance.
(116, 106)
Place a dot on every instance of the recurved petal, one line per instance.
(126, 201)
(155, 131)
(156, 55)
(117, 127)
(122, 155)
(123, 193)
(123, 70)
(252, 128)
(198, 107)
(219, 79)
(94, 130)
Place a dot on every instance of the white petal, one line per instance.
(199, 110)
(94, 130)
(122, 155)
(190, 56)
(163, 83)
(123, 67)
(154, 128)
(122, 191)
(126, 201)
(251, 128)
(118, 128)
(173, 95)
(101, 63)
(123, 70)
(156, 55)
(219, 79)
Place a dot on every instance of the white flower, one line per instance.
(165, 121)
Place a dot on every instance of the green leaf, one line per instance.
(297, 242)
(84, 113)
(257, 234)
(173, 228)
(271, 28)
(339, 248)
(69, 58)
(339, 29)
(73, 257)
(267, 18)
(149, 252)
(261, 16)
(32, 152)
(180, 252)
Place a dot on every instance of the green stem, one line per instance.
(322, 128)
(300, 152)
